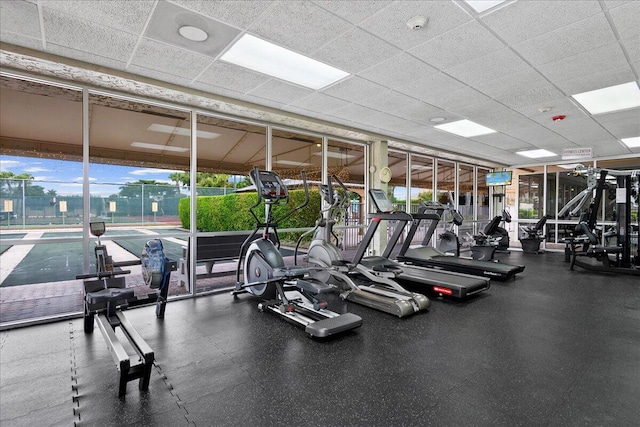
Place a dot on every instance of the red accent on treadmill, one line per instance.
(442, 290)
(289, 308)
(375, 219)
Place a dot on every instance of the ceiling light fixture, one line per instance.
(159, 147)
(292, 163)
(536, 154)
(437, 119)
(465, 128)
(267, 58)
(483, 5)
(181, 131)
(612, 98)
(193, 33)
(632, 142)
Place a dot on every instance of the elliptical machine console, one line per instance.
(286, 291)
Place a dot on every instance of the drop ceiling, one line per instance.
(511, 68)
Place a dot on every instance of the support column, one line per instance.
(378, 159)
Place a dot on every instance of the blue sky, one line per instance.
(66, 176)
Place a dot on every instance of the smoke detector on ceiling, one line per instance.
(417, 22)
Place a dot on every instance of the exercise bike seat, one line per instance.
(109, 295)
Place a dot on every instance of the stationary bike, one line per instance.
(288, 292)
(357, 283)
(448, 241)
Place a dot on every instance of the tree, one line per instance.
(12, 185)
(206, 179)
(152, 189)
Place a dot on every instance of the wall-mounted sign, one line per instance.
(577, 153)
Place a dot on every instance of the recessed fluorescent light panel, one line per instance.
(158, 147)
(613, 98)
(631, 142)
(336, 155)
(292, 163)
(483, 5)
(267, 58)
(536, 154)
(465, 128)
(181, 131)
(569, 166)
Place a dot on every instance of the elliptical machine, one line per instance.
(372, 288)
(288, 292)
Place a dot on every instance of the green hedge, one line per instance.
(231, 212)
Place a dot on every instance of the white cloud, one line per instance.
(151, 171)
(8, 164)
(37, 169)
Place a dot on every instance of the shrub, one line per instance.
(231, 212)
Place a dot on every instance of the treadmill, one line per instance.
(426, 256)
(421, 279)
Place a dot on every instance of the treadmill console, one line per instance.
(381, 201)
(269, 185)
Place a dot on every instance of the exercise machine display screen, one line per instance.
(97, 228)
(380, 199)
(272, 186)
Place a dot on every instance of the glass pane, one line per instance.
(421, 181)
(446, 187)
(136, 183)
(40, 199)
(227, 151)
(347, 162)
(466, 201)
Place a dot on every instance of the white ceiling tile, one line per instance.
(397, 124)
(524, 20)
(390, 23)
(457, 98)
(602, 58)
(398, 70)
(298, 25)
(263, 101)
(538, 136)
(429, 87)
(597, 80)
(354, 11)
(541, 92)
(172, 60)
(129, 16)
(520, 89)
(216, 90)
(19, 40)
(72, 32)
(581, 36)
(20, 18)
(159, 75)
(88, 57)
(401, 105)
(282, 92)
(237, 13)
(559, 106)
(502, 141)
(612, 149)
(355, 50)
(621, 124)
(353, 89)
(580, 130)
(459, 45)
(626, 18)
(488, 67)
(233, 77)
(354, 112)
(320, 103)
(168, 18)
(633, 48)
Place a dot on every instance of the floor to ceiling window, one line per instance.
(41, 199)
(227, 150)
